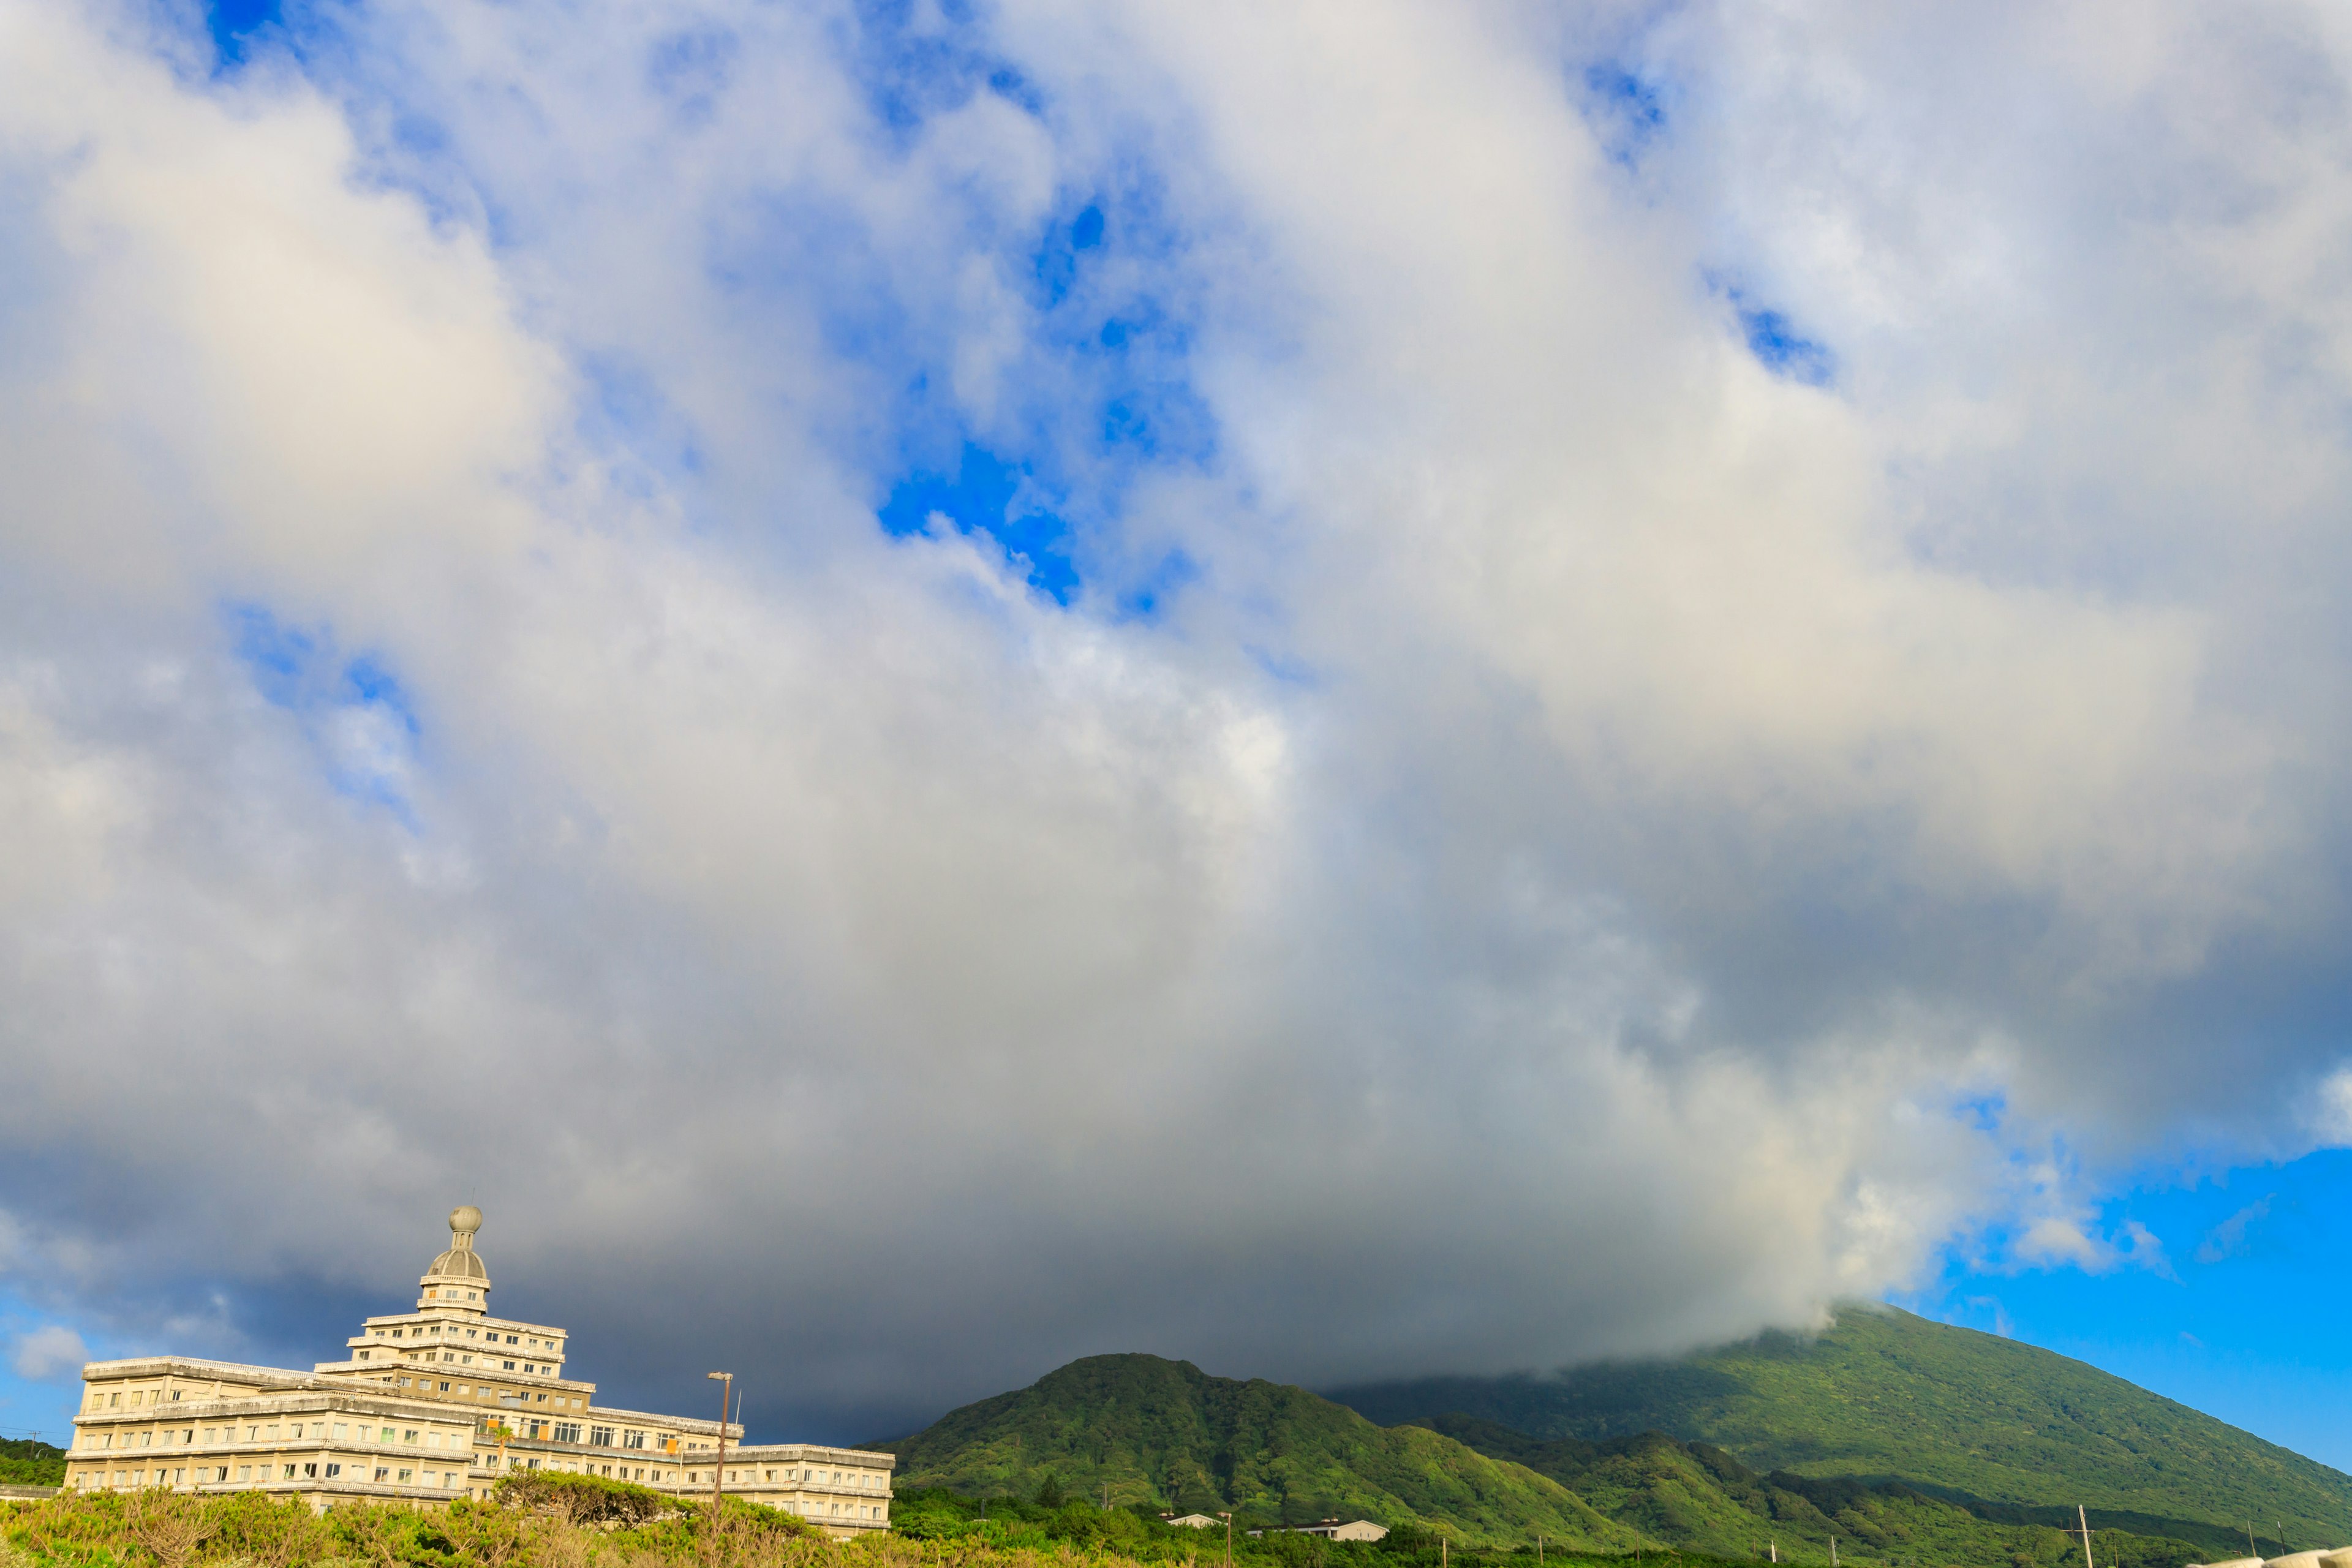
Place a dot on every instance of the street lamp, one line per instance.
(726, 1381)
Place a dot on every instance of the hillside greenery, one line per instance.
(1136, 1429)
(1700, 1498)
(2007, 1431)
(29, 1462)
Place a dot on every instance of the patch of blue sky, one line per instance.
(360, 721)
(1773, 336)
(1056, 264)
(41, 1357)
(1146, 599)
(1626, 110)
(1775, 340)
(2216, 1308)
(1982, 1112)
(984, 493)
(914, 61)
(236, 25)
(1109, 403)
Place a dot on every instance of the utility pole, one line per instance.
(1833, 1551)
(2250, 1539)
(2085, 1520)
(1229, 1538)
(1774, 1545)
(726, 1381)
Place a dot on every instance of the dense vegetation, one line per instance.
(1699, 1498)
(534, 1522)
(29, 1462)
(1135, 1429)
(2010, 1433)
(1903, 1441)
(571, 1522)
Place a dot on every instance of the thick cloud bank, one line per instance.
(1346, 688)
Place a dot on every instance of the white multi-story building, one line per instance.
(434, 1403)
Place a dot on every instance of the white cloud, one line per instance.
(1589, 815)
(51, 1351)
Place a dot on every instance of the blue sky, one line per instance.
(813, 649)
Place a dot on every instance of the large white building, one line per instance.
(432, 1403)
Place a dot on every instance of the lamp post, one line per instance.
(726, 1381)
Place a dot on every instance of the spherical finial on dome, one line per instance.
(465, 1220)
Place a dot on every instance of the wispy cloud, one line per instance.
(2229, 1239)
(48, 1351)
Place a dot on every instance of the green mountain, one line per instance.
(1126, 1429)
(2007, 1431)
(1700, 1499)
(29, 1462)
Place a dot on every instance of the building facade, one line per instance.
(436, 1403)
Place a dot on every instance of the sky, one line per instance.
(1344, 689)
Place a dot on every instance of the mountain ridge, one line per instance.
(1135, 1428)
(1882, 1394)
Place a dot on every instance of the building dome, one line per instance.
(461, 1265)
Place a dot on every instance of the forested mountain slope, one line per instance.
(2013, 1431)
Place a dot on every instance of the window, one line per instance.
(600, 1436)
(175, 1393)
(387, 1435)
(334, 1470)
(634, 1440)
(114, 1402)
(340, 1430)
(512, 1339)
(382, 1473)
(396, 1333)
(404, 1475)
(444, 1387)
(364, 1355)
(290, 1473)
(408, 1436)
(567, 1431)
(509, 1366)
(253, 1433)
(244, 1472)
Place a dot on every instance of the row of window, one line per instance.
(113, 1400)
(435, 1331)
(562, 1401)
(465, 1358)
(214, 1475)
(295, 1431)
